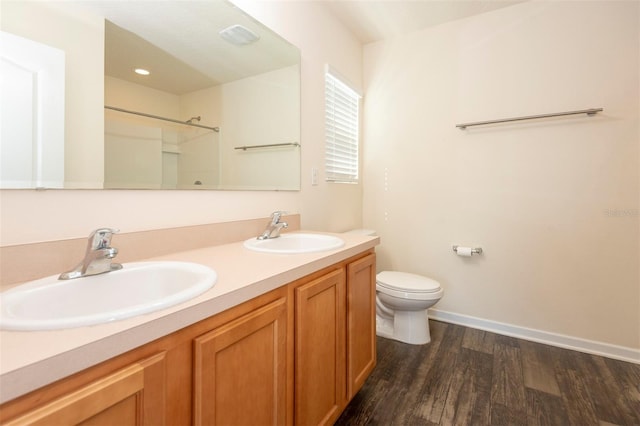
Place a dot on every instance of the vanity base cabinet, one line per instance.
(335, 339)
(320, 353)
(361, 322)
(134, 395)
(240, 370)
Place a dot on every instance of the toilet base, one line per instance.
(406, 326)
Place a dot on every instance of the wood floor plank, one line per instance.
(537, 368)
(483, 368)
(576, 399)
(628, 375)
(460, 400)
(507, 340)
(418, 362)
(609, 399)
(507, 387)
(404, 411)
(388, 355)
(363, 408)
(478, 340)
(396, 395)
(433, 393)
(470, 390)
(411, 420)
(544, 409)
(505, 416)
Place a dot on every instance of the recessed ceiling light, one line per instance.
(239, 35)
(142, 71)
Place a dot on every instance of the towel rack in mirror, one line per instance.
(272, 145)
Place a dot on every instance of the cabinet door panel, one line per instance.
(320, 388)
(361, 322)
(122, 398)
(240, 370)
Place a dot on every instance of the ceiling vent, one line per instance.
(239, 35)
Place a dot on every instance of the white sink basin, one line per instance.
(295, 243)
(138, 288)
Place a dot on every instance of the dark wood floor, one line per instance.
(472, 377)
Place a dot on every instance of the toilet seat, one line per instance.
(408, 286)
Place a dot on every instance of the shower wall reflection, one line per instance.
(153, 155)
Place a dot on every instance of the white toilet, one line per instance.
(402, 300)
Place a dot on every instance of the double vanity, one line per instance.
(286, 335)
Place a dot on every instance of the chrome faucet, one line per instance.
(274, 227)
(97, 259)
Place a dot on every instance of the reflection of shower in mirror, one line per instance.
(145, 151)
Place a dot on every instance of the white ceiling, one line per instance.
(374, 20)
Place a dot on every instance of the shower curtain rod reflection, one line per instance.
(215, 129)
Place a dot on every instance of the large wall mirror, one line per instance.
(217, 108)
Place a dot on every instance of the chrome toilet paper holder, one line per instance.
(476, 250)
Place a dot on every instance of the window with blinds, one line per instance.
(342, 105)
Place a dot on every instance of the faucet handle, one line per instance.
(275, 216)
(101, 238)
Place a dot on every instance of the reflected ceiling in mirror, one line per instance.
(182, 38)
(122, 62)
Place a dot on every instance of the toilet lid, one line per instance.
(407, 282)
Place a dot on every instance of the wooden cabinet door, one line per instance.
(320, 353)
(134, 395)
(240, 370)
(361, 322)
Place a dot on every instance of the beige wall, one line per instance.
(31, 216)
(261, 110)
(133, 155)
(553, 203)
(136, 97)
(200, 157)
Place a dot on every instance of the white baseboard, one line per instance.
(560, 340)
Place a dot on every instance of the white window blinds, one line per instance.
(341, 130)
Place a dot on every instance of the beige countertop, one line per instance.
(29, 360)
